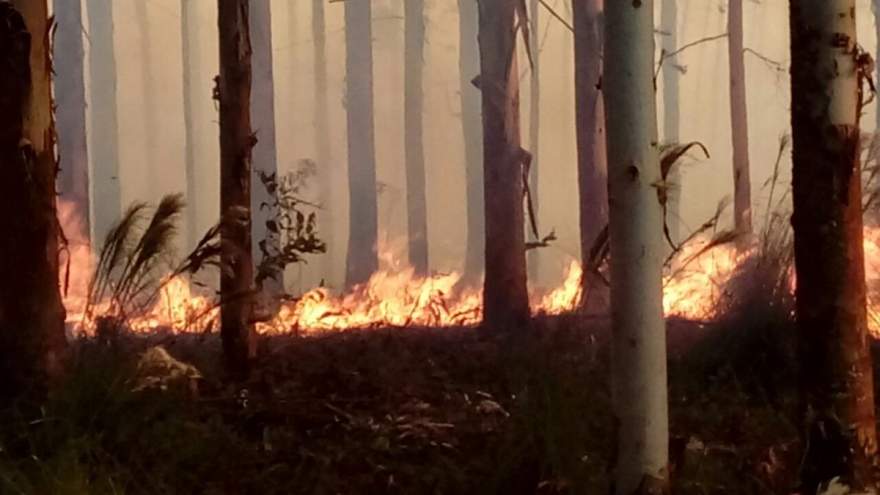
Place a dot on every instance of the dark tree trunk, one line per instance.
(104, 128)
(189, 28)
(590, 120)
(534, 130)
(70, 99)
(505, 296)
(32, 340)
(835, 358)
(469, 68)
(363, 220)
(416, 202)
(236, 143)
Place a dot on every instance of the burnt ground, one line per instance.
(408, 411)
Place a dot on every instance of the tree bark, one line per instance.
(189, 32)
(236, 142)
(362, 259)
(505, 295)
(70, 96)
(416, 201)
(638, 329)
(836, 368)
(32, 340)
(739, 127)
(104, 119)
(327, 172)
(265, 155)
(150, 117)
(469, 68)
(590, 123)
(533, 256)
(671, 112)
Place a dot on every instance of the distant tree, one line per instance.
(534, 129)
(265, 154)
(827, 97)
(150, 117)
(469, 68)
(590, 122)
(104, 118)
(635, 227)
(189, 33)
(416, 200)
(505, 295)
(32, 339)
(742, 188)
(671, 111)
(236, 142)
(70, 99)
(362, 259)
(326, 165)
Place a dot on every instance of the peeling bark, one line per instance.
(416, 201)
(836, 370)
(32, 340)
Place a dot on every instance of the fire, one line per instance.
(396, 297)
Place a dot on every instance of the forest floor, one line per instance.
(408, 411)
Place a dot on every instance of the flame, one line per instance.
(396, 297)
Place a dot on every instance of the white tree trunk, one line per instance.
(671, 111)
(104, 120)
(265, 160)
(189, 29)
(328, 174)
(739, 127)
(150, 118)
(639, 337)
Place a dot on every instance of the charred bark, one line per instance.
(836, 371)
(416, 201)
(469, 68)
(362, 260)
(739, 126)
(236, 143)
(32, 340)
(505, 295)
(70, 96)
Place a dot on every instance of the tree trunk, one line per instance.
(875, 6)
(70, 97)
(32, 340)
(671, 112)
(150, 117)
(265, 157)
(469, 68)
(416, 201)
(327, 173)
(739, 127)
(104, 120)
(189, 31)
(505, 296)
(829, 255)
(635, 228)
(534, 129)
(236, 142)
(363, 227)
(590, 120)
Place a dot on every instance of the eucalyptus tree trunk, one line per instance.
(236, 142)
(32, 340)
(671, 111)
(739, 126)
(635, 227)
(534, 129)
(150, 117)
(469, 68)
(327, 169)
(362, 260)
(875, 7)
(505, 295)
(590, 122)
(841, 436)
(104, 119)
(265, 158)
(416, 200)
(189, 33)
(70, 99)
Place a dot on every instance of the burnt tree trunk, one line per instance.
(236, 142)
(363, 221)
(469, 68)
(104, 119)
(70, 99)
(189, 29)
(505, 296)
(829, 255)
(416, 201)
(590, 123)
(32, 340)
(739, 126)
